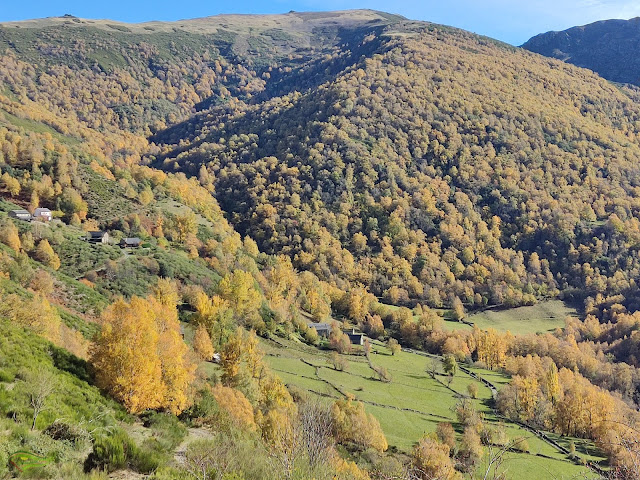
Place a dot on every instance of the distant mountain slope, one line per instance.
(396, 159)
(608, 47)
(252, 38)
(435, 167)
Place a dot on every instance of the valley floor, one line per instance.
(413, 403)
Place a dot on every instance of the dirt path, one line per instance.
(192, 435)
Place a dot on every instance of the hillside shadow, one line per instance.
(63, 360)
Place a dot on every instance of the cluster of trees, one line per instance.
(140, 357)
(439, 455)
(566, 402)
(141, 360)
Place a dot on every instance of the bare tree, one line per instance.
(316, 424)
(433, 367)
(41, 386)
(209, 459)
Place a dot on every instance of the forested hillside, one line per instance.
(445, 165)
(352, 168)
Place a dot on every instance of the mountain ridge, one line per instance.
(210, 24)
(607, 47)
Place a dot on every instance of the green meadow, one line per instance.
(413, 403)
(539, 318)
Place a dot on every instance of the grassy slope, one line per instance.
(413, 403)
(542, 317)
(75, 400)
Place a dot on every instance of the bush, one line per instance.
(148, 458)
(521, 445)
(112, 452)
(352, 424)
(64, 432)
(340, 363)
(168, 430)
(311, 336)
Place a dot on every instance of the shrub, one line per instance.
(112, 452)
(148, 458)
(340, 363)
(431, 460)
(446, 434)
(311, 336)
(352, 424)
(63, 431)
(168, 430)
(472, 388)
(521, 445)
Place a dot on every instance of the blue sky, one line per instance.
(512, 21)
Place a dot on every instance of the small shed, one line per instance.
(323, 329)
(356, 338)
(20, 215)
(132, 242)
(42, 214)
(98, 237)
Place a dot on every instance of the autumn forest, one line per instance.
(322, 231)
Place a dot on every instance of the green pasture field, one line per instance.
(413, 403)
(543, 317)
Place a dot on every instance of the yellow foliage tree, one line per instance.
(166, 291)
(231, 358)
(184, 225)
(457, 309)
(11, 185)
(491, 347)
(240, 291)
(177, 369)
(202, 343)
(145, 197)
(45, 254)
(125, 355)
(216, 316)
(552, 384)
(348, 470)
(274, 394)
(431, 460)
(283, 438)
(353, 424)
(9, 236)
(236, 405)
(281, 282)
(140, 357)
(36, 313)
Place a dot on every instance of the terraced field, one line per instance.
(413, 403)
